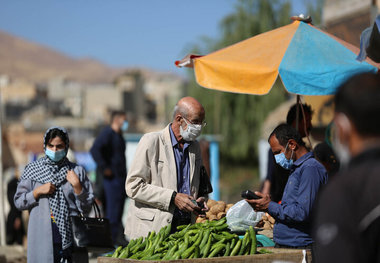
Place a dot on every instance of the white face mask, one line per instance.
(342, 150)
(192, 131)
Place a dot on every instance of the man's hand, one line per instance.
(44, 189)
(266, 187)
(203, 206)
(107, 172)
(17, 223)
(73, 179)
(260, 204)
(184, 203)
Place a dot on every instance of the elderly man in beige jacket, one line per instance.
(163, 180)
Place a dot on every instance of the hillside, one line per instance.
(20, 58)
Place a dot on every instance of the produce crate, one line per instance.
(288, 255)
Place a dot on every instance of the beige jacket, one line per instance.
(151, 181)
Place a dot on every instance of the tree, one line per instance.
(238, 117)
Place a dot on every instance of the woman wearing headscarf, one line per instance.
(52, 188)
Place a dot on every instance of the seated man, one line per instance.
(292, 228)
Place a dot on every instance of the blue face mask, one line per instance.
(124, 127)
(282, 161)
(55, 156)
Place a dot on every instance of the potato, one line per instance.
(208, 214)
(220, 215)
(260, 224)
(200, 219)
(267, 225)
(228, 206)
(211, 203)
(212, 217)
(217, 208)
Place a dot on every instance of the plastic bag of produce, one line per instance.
(241, 215)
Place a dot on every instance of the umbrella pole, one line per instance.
(304, 118)
(298, 111)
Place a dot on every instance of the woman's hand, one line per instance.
(45, 189)
(73, 179)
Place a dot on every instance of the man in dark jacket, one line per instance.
(108, 152)
(347, 218)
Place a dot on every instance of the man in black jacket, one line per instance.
(108, 151)
(347, 217)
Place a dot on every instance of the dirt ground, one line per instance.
(17, 254)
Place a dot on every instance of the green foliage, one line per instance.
(238, 117)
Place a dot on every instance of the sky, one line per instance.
(121, 33)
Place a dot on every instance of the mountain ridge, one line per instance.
(24, 59)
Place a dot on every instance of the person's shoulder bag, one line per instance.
(93, 233)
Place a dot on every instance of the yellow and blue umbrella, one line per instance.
(308, 61)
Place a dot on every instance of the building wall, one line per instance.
(347, 19)
(98, 102)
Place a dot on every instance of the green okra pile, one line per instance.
(200, 240)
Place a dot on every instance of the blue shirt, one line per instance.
(292, 227)
(182, 164)
(181, 157)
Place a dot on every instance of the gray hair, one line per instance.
(180, 110)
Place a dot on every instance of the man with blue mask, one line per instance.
(347, 216)
(164, 179)
(108, 151)
(293, 222)
(277, 175)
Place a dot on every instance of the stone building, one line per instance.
(346, 19)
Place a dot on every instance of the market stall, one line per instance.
(283, 255)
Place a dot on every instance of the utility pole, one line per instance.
(374, 11)
(2, 194)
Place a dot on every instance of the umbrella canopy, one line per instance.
(308, 60)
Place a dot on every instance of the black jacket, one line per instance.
(347, 216)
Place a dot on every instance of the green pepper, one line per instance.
(219, 222)
(171, 252)
(167, 230)
(218, 243)
(236, 248)
(228, 250)
(116, 253)
(188, 252)
(254, 241)
(244, 243)
(216, 250)
(205, 238)
(196, 252)
(207, 247)
(199, 239)
(221, 227)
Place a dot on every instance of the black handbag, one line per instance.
(205, 186)
(92, 233)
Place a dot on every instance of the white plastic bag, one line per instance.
(241, 216)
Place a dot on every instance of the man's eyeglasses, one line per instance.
(203, 124)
